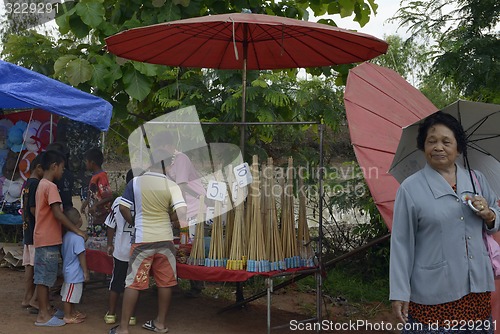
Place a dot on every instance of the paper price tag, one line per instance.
(242, 174)
(210, 215)
(216, 190)
(235, 192)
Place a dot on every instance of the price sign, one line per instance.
(216, 190)
(235, 189)
(242, 174)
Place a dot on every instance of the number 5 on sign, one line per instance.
(242, 174)
(216, 190)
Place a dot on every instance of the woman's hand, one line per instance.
(484, 212)
(400, 310)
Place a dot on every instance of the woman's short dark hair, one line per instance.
(450, 122)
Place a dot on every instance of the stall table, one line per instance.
(100, 262)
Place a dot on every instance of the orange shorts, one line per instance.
(151, 258)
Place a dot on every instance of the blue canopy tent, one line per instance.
(21, 88)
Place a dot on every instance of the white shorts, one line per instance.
(29, 255)
(71, 292)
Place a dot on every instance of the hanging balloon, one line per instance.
(43, 133)
(32, 142)
(5, 125)
(25, 164)
(12, 190)
(15, 136)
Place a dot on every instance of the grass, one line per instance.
(344, 284)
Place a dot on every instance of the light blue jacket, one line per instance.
(437, 250)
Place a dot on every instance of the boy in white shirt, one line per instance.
(119, 248)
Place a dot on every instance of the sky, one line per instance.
(377, 26)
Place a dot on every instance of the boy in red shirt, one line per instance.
(99, 196)
(49, 219)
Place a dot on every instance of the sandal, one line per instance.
(80, 315)
(150, 326)
(132, 321)
(74, 320)
(110, 318)
(112, 330)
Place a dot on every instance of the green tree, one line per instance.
(141, 91)
(413, 60)
(467, 41)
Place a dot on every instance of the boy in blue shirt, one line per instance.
(74, 269)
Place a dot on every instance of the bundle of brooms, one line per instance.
(288, 235)
(228, 232)
(216, 253)
(236, 259)
(257, 259)
(274, 247)
(197, 255)
(303, 236)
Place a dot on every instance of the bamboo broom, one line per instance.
(274, 245)
(235, 260)
(304, 238)
(197, 255)
(288, 235)
(229, 215)
(216, 252)
(256, 247)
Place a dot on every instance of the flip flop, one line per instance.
(33, 310)
(80, 315)
(150, 326)
(74, 320)
(58, 313)
(53, 322)
(112, 330)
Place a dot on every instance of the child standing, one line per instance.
(28, 202)
(74, 269)
(99, 195)
(47, 239)
(122, 232)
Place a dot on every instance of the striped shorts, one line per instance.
(71, 292)
(155, 259)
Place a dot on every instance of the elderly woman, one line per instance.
(440, 272)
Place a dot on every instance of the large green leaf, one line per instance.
(146, 69)
(62, 18)
(100, 77)
(362, 14)
(137, 85)
(78, 71)
(78, 27)
(346, 7)
(91, 12)
(61, 63)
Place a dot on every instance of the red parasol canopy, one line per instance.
(379, 103)
(225, 41)
(244, 41)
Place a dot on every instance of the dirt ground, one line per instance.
(186, 315)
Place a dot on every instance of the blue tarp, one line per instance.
(21, 88)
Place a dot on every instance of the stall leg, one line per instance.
(269, 286)
(239, 292)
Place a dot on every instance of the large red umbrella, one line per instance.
(379, 103)
(244, 41)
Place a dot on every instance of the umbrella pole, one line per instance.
(319, 278)
(243, 108)
(244, 92)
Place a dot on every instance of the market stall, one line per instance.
(30, 106)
